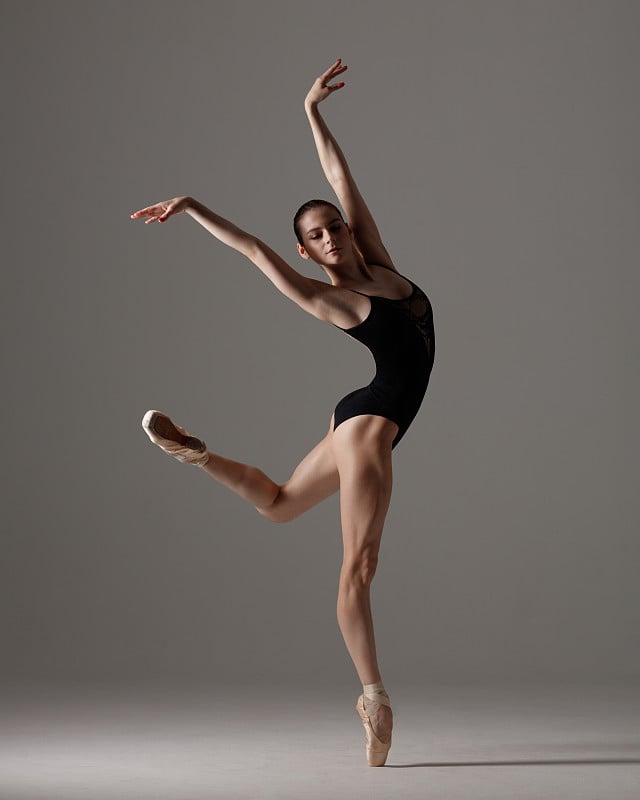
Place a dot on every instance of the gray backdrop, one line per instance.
(497, 145)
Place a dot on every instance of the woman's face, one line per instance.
(326, 238)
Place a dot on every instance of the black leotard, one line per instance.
(401, 338)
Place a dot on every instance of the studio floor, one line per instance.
(232, 741)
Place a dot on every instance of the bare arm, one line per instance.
(315, 297)
(337, 172)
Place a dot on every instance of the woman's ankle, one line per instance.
(375, 693)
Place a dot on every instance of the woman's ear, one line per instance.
(302, 252)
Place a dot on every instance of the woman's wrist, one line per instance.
(311, 106)
(194, 205)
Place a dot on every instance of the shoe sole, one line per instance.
(157, 424)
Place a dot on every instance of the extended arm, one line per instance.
(311, 295)
(337, 172)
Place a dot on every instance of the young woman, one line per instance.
(368, 299)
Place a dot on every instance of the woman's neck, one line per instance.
(355, 271)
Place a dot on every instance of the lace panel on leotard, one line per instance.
(418, 308)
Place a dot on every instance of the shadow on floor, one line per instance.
(520, 763)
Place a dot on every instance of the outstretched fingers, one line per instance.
(337, 68)
(322, 86)
(152, 212)
(159, 212)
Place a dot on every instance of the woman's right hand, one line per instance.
(163, 210)
(321, 89)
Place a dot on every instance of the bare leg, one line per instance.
(363, 455)
(248, 482)
(315, 478)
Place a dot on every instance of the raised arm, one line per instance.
(337, 172)
(315, 297)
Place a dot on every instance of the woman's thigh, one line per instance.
(362, 448)
(313, 480)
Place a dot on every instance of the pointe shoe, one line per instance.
(377, 751)
(174, 440)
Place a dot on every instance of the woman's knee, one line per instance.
(280, 510)
(359, 569)
(287, 505)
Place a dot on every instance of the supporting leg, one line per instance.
(363, 456)
(364, 498)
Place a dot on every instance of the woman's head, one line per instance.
(310, 205)
(322, 233)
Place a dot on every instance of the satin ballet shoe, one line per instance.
(376, 750)
(174, 440)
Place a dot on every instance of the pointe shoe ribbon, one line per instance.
(174, 440)
(376, 750)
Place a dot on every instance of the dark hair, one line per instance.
(308, 206)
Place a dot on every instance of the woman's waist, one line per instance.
(393, 384)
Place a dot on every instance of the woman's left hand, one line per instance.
(321, 88)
